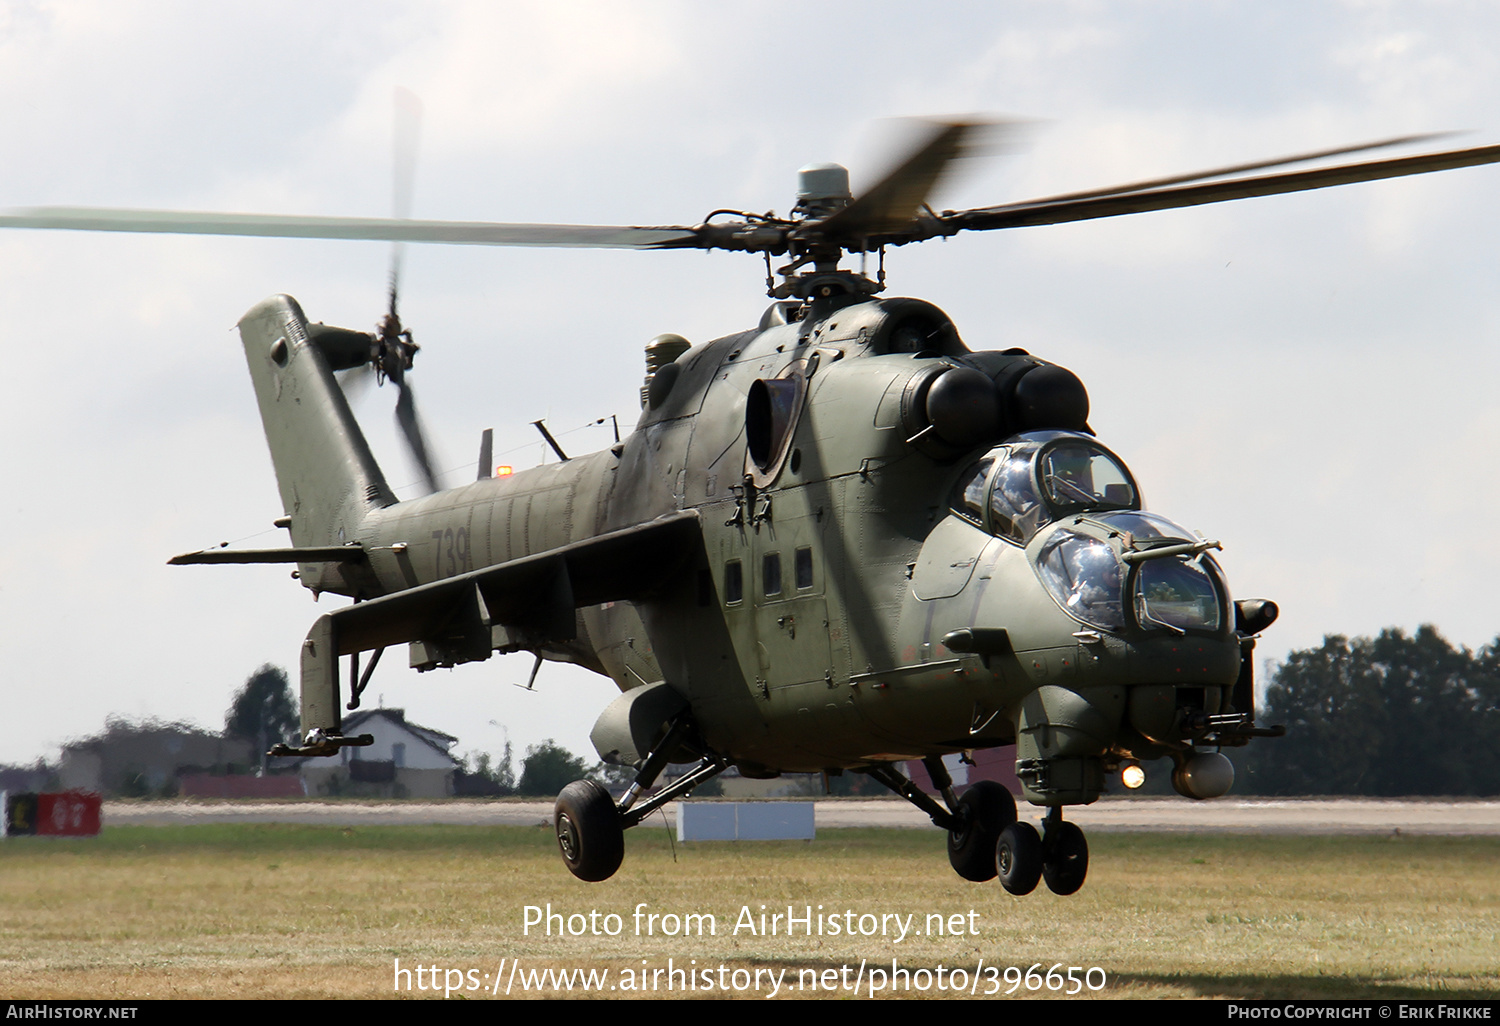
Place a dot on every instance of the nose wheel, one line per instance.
(1018, 858)
(1060, 856)
(985, 840)
(1065, 856)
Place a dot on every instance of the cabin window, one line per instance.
(771, 574)
(1015, 511)
(734, 582)
(804, 568)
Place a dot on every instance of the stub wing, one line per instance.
(523, 604)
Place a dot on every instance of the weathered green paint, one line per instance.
(842, 671)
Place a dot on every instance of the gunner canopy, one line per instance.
(1159, 588)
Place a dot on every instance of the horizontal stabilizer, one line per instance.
(298, 554)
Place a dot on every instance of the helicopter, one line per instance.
(834, 542)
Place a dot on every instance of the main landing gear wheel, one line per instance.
(1065, 858)
(589, 832)
(984, 810)
(1018, 858)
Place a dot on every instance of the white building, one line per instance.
(406, 760)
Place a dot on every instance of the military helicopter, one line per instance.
(834, 542)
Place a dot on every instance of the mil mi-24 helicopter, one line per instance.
(834, 542)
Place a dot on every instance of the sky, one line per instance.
(1309, 379)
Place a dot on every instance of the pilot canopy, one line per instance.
(1041, 476)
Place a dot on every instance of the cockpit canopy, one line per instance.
(1118, 570)
(1037, 477)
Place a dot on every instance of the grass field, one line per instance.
(281, 911)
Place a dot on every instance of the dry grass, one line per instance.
(281, 911)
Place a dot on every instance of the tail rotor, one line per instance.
(392, 350)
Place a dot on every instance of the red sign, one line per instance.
(67, 814)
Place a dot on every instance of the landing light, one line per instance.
(504, 470)
(1132, 775)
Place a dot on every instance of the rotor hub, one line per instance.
(822, 189)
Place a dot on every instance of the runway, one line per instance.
(1173, 815)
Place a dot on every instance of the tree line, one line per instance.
(1391, 715)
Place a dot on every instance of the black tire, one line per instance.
(1018, 858)
(589, 833)
(1065, 861)
(984, 810)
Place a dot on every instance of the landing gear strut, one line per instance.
(975, 822)
(591, 827)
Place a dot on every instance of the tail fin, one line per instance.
(327, 476)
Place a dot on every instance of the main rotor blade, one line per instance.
(897, 198)
(372, 229)
(1037, 212)
(1238, 169)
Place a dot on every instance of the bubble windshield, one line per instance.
(1175, 593)
(1083, 574)
(1080, 567)
(1038, 477)
(1077, 476)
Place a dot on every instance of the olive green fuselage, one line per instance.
(807, 631)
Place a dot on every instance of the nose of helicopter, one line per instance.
(1096, 658)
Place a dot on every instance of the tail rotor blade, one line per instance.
(356, 382)
(396, 347)
(406, 131)
(411, 429)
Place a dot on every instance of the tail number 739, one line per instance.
(453, 547)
